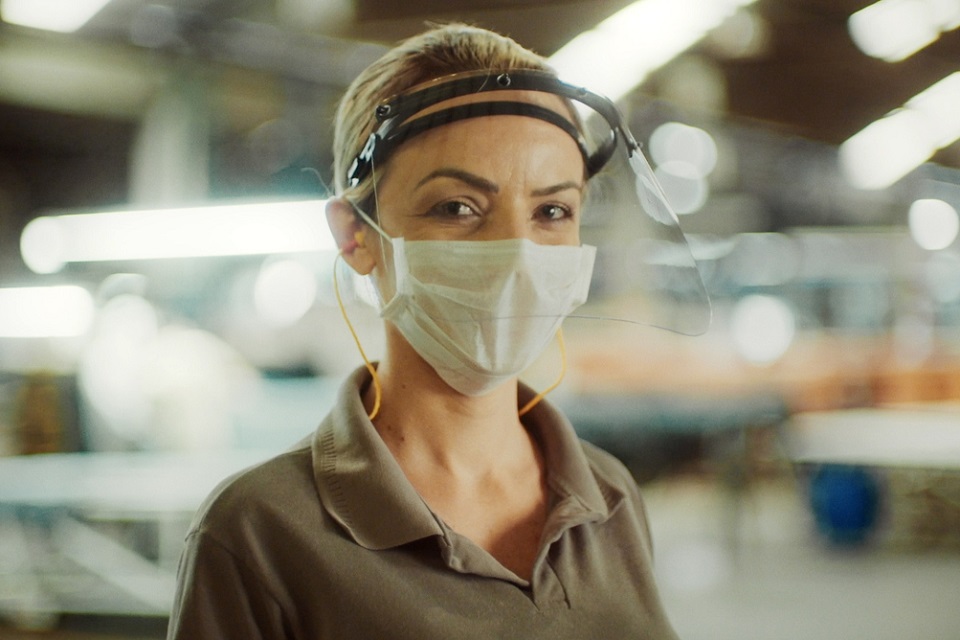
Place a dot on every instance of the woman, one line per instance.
(441, 497)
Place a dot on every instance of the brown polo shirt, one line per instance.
(330, 540)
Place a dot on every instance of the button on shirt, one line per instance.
(330, 540)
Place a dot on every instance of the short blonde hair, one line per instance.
(440, 51)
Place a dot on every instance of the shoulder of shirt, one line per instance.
(265, 486)
(609, 467)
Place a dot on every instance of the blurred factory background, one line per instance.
(166, 291)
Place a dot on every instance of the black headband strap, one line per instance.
(386, 145)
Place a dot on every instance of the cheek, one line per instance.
(569, 236)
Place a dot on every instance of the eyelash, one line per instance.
(445, 210)
(566, 212)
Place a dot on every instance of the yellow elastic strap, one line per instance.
(373, 372)
(563, 370)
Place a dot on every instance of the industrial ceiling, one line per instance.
(70, 105)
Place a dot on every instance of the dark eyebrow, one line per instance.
(563, 186)
(463, 176)
(485, 185)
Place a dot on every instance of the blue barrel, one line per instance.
(845, 501)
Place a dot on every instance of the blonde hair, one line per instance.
(440, 51)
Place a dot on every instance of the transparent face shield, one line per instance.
(643, 271)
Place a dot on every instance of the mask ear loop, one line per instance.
(353, 244)
(366, 361)
(563, 371)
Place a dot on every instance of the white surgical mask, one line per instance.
(480, 312)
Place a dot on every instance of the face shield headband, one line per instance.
(395, 126)
(645, 273)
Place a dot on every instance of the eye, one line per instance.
(554, 212)
(452, 209)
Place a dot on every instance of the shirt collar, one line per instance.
(360, 483)
(589, 495)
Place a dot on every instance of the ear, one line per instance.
(350, 234)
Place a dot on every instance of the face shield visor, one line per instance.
(643, 270)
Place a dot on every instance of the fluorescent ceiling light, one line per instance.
(48, 243)
(45, 312)
(893, 30)
(888, 149)
(52, 15)
(619, 53)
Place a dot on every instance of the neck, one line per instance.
(429, 426)
(469, 458)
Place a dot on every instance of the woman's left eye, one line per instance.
(553, 212)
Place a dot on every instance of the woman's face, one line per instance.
(487, 178)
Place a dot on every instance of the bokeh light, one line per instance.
(686, 191)
(934, 224)
(762, 327)
(284, 291)
(677, 142)
(42, 245)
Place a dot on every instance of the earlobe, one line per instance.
(349, 232)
